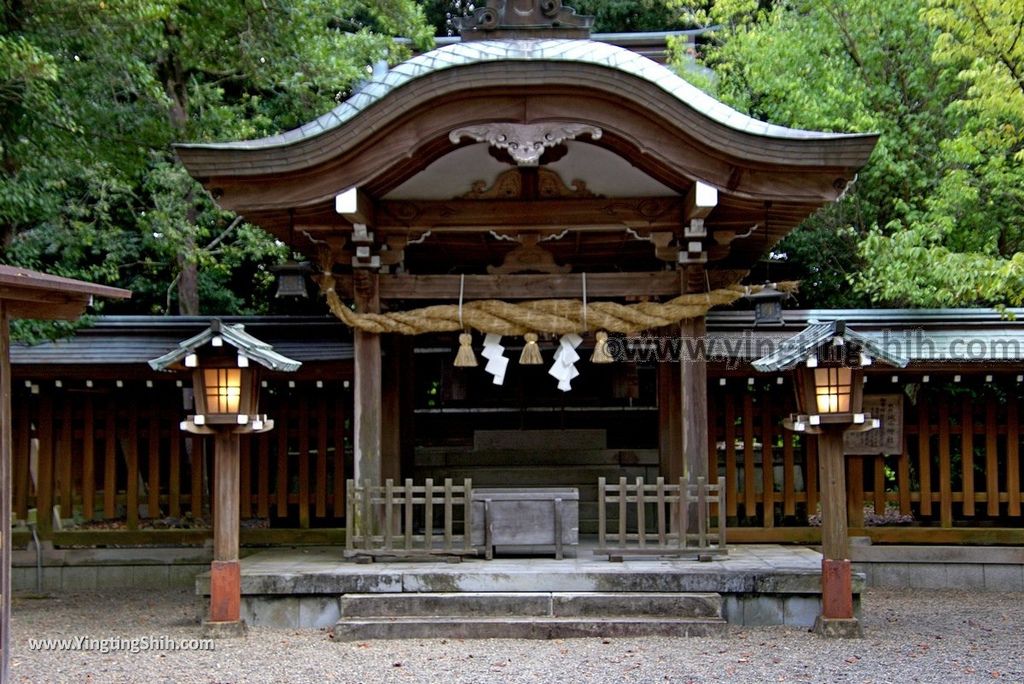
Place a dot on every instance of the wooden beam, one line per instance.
(355, 206)
(700, 201)
(484, 215)
(567, 286)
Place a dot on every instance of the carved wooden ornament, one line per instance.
(525, 142)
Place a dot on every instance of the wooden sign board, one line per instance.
(887, 439)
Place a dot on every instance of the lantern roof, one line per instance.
(792, 352)
(235, 335)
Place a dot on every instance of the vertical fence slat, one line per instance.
(768, 424)
(992, 457)
(339, 455)
(303, 428)
(602, 515)
(684, 513)
(467, 507)
(967, 456)
(730, 454)
(110, 460)
(367, 519)
(198, 465)
(702, 513)
(44, 488)
(721, 520)
(945, 470)
(1013, 457)
(810, 473)
(623, 513)
(350, 518)
(641, 513)
(88, 458)
(879, 484)
(281, 484)
(924, 457)
(153, 463)
(65, 457)
(447, 514)
(749, 496)
(407, 521)
(903, 477)
(389, 511)
(263, 477)
(22, 455)
(245, 476)
(428, 514)
(132, 456)
(855, 490)
(788, 484)
(174, 472)
(321, 455)
(661, 510)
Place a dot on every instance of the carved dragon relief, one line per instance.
(525, 142)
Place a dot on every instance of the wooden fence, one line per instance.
(110, 452)
(382, 519)
(959, 461)
(659, 519)
(115, 454)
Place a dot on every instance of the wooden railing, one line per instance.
(383, 520)
(659, 519)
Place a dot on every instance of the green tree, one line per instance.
(968, 247)
(851, 65)
(93, 93)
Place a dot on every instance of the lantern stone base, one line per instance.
(838, 628)
(232, 629)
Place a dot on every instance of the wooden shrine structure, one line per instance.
(27, 294)
(527, 165)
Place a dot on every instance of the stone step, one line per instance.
(358, 629)
(532, 604)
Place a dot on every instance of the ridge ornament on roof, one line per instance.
(524, 19)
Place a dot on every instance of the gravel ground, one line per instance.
(912, 636)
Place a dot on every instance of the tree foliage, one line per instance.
(94, 92)
(934, 218)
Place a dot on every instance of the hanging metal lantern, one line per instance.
(291, 278)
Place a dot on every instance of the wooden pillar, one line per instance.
(694, 403)
(225, 572)
(6, 455)
(836, 617)
(670, 416)
(367, 410)
(391, 410)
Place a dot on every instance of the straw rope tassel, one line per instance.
(465, 358)
(531, 352)
(601, 354)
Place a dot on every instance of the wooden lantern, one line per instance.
(226, 387)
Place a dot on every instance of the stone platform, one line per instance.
(759, 584)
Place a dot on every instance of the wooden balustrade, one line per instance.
(382, 520)
(681, 523)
